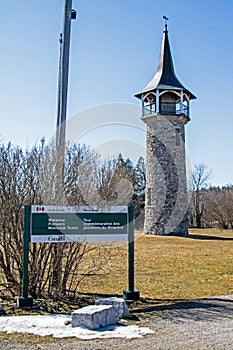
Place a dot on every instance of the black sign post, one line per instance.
(131, 294)
(26, 300)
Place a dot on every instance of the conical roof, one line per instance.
(165, 77)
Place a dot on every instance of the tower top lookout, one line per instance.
(165, 77)
(165, 94)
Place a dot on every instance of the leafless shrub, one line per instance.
(30, 178)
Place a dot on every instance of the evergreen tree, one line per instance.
(139, 184)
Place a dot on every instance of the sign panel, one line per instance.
(83, 224)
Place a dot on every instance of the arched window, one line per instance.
(168, 102)
(149, 103)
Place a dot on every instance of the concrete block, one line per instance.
(94, 316)
(118, 303)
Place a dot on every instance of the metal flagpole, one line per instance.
(69, 14)
(59, 93)
(63, 73)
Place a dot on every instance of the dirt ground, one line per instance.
(200, 324)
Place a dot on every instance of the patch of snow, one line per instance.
(55, 325)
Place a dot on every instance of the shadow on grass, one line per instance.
(209, 238)
(210, 309)
(98, 295)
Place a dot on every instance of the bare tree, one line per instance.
(115, 182)
(199, 181)
(220, 206)
(28, 178)
(13, 195)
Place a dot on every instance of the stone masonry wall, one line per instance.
(166, 185)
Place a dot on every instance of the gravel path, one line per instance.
(200, 325)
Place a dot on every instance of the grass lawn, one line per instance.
(200, 265)
(168, 270)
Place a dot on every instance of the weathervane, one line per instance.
(166, 19)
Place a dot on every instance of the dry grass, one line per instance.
(172, 267)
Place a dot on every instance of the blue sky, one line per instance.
(115, 47)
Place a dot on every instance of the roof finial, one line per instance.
(166, 19)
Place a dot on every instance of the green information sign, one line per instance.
(72, 224)
(56, 224)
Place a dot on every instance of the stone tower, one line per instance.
(165, 111)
